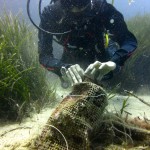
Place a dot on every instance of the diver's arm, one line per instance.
(114, 22)
(45, 48)
(46, 57)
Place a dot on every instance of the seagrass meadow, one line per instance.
(22, 79)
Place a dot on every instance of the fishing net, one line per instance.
(68, 126)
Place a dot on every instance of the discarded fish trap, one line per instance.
(68, 126)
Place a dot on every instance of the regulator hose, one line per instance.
(38, 27)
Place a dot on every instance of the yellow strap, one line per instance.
(106, 40)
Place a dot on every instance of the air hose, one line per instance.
(38, 27)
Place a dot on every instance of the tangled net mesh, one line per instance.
(68, 126)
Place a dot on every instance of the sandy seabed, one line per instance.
(18, 133)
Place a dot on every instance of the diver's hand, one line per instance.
(97, 70)
(74, 74)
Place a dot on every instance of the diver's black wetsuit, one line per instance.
(85, 43)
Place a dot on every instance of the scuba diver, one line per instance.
(95, 38)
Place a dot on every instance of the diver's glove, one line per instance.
(72, 75)
(97, 70)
